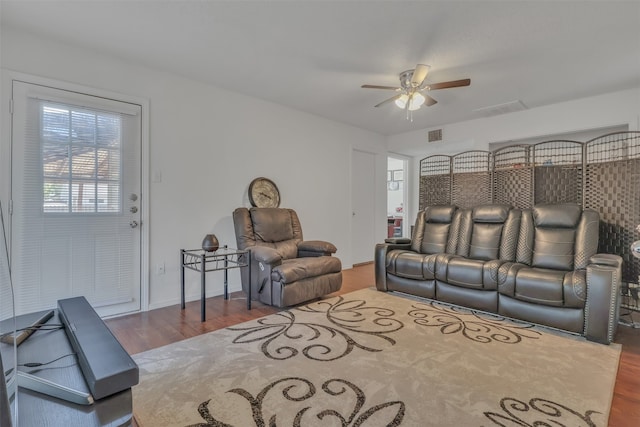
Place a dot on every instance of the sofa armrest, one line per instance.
(380, 259)
(606, 259)
(398, 240)
(308, 248)
(266, 255)
(602, 308)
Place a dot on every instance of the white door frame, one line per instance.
(8, 77)
(406, 221)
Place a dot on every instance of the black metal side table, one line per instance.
(224, 259)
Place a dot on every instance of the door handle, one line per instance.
(133, 224)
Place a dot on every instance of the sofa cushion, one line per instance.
(485, 241)
(411, 265)
(432, 231)
(278, 229)
(540, 286)
(435, 238)
(553, 248)
(488, 232)
(465, 272)
(496, 214)
(291, 271)
(557, 216)
(272, 224)
(439, 214)
(575, 288)
(543, 286)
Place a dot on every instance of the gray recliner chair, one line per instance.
(285, 269)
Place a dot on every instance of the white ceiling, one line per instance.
(314, 55)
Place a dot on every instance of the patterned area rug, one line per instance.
(369, 358)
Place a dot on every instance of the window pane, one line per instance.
(109, 164)
(108, 197)
(55, 160)
(83, 162)
(83, 127)
(55, 124)
(77, 176)
(83, 196)
(108, 130)
(56, 195)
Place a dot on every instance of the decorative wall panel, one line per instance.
(612, 187)
(471, 179)
(557, 172)
(435, 181)
(513, 176)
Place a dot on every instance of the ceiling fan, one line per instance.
(412, 93)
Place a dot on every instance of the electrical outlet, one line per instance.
(160, 268)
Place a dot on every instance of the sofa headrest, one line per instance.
(557, 216)
(439, 214)
(491, 213)
(272, 224)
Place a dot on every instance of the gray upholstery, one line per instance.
(483, 245)
(285, 269)
(538, 265)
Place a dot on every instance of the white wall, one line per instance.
(602, 111)
(208, 144)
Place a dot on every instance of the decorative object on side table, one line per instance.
(263, 193)
(210, 243)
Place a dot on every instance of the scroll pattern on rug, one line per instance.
(538, 413)
(350, 322)
(372, 339)
(479, 328)
(295, 389)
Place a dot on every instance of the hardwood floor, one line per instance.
(145, 331)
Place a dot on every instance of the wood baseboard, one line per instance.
(360, 264)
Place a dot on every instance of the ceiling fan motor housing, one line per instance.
(405, 80)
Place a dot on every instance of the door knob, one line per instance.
(133, 224)
(133, 209)
(133, 197)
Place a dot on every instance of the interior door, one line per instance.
(363, 230)
(76, 213)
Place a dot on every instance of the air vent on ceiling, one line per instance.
(507, 107)
(435, 135)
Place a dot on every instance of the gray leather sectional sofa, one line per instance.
(538, 265)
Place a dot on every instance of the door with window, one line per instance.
(76, 205)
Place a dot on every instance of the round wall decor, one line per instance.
(263, 193)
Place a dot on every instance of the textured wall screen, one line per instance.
(435, 181)
(513, 176)
(557, 172)
(612, 187)
(471, 179)
(602, 174)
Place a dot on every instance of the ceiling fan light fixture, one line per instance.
(416, 101)
(402, 101)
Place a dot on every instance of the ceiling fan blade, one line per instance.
(429, 100)
(379, 87)
(419, 74)
(453, 83)
(393, 98)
